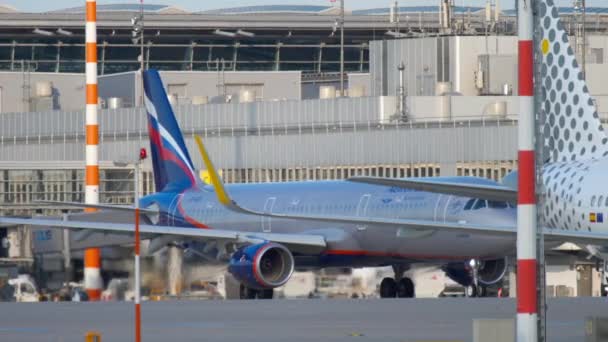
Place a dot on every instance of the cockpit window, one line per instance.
(497, 204)
(469, 204)
(476, 203)
(480, 204)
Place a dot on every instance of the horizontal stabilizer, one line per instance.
(100, 206)
(487, 192)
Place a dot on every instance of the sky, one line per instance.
(194, 5)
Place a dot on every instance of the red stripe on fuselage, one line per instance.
(526, 193)
(526, 286)
(526, 68)
(393, 255)
(189, 219)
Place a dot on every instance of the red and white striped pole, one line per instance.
(527, 308)
(92, 267)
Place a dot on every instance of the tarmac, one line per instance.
(400, 320)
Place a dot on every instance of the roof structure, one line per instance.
(414, 9)
(285, 9)
(267, 9)
(568, 10)
(148, 8)
(7, 9)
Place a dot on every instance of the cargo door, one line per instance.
(267, 221)
(362, 209)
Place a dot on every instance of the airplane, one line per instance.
(465, 225)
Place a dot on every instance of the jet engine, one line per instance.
(262, 266)
(490, 272)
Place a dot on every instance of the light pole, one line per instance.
(137, 34)
(137, 268)
(142, 155)
(580, 9)
(341, 47)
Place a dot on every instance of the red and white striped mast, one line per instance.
(527, 308)
(92, 256)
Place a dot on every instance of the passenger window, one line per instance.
(600, 201)
(469, 204)
(593, 200)
(479, 204)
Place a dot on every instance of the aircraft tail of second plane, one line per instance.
(173, 167)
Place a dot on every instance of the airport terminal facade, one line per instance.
(453, 121)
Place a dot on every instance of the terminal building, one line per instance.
(430, 94)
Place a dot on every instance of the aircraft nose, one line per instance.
(503, 217)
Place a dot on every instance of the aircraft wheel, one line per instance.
(482, 291)
(266, 294)
(405, 288)
(604, 291)
(471, 291)
(388, 288)
(247, 292)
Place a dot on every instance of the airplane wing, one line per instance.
(488, 192)
(413, 227)
(308, 242)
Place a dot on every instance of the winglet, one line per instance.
(215, 179)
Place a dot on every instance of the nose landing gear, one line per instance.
(250, 293)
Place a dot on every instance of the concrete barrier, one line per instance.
(92, 336)
(596, 329)
(494, 330)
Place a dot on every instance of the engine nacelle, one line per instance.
(262, 266)
(490, 272)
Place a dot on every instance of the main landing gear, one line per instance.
(401, 287)
(475, 289)
(251, 293)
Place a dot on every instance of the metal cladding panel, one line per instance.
(364, 147)
(332, 132)
(121, 85)
(327, 146)
(419, 57)
(375, 68)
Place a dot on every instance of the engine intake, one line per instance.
(490, 272)
(262, 266)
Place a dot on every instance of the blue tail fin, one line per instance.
(173, 168)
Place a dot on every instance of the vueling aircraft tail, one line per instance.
(572, 128)
(173, 168)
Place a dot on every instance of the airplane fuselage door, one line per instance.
(440, 207)
(362, 209)
(267, 221)
(173, 211)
